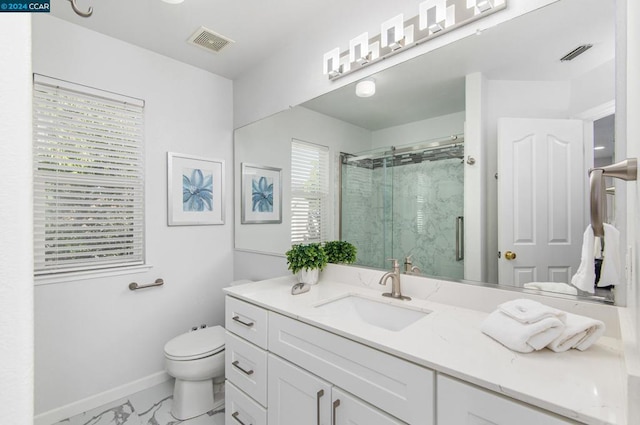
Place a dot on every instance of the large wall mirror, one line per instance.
(441, 164)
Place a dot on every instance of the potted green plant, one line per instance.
(307, 260)
(340, 252)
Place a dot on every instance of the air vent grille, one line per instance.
(209, 40)
(576, 52)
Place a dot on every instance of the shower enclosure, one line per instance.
(406, 201)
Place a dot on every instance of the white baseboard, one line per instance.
(55, 415)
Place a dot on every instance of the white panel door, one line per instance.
(295, 396)
(541, 199)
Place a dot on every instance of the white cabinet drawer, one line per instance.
(240, 409)
(246, 367)
(460, 403)
(403, 389)
(246, 320)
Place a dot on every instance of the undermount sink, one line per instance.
(376, 313)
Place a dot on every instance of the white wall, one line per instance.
(268, 142)
(294, 74)
(419, 131)
(16, 224)
(94, 335)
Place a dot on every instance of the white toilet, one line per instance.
(196, 360)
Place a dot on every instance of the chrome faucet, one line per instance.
(395, 281)
(409, 268)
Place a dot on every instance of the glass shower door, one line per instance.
(406, 201)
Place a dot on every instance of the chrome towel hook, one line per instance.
(79, 12)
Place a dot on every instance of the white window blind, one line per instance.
(309, 192)
(88, 178)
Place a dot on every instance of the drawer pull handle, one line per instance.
(237, 319)
(333, 414)
(235, 416)
(246, 372)
(318, 396)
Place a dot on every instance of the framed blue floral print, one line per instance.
(261, 194)
(195, 190)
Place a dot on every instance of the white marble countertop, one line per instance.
(584, 386)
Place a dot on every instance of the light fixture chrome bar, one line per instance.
(437, 17)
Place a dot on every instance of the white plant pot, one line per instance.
(309, 276)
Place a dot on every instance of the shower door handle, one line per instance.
(459, 238)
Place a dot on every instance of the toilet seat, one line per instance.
(196, 345)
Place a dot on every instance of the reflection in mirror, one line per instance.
(407, 201)
(400, 198)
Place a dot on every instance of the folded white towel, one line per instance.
(585, 276)
(579, 332)
(522, 337)
(610, 272)
(529, 311)
(558, 287)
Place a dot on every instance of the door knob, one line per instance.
(510, 255)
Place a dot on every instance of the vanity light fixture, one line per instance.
(435, 18)
(433, 15)
(359, 49)
(366, 88)
(484, 5)
(331, 63)
(392, 33)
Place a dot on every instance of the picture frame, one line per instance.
(195, 190)
(260, 194)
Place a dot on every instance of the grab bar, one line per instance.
(625, 170)
(459, 238)
(134, 286)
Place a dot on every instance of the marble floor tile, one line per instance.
(148, 407)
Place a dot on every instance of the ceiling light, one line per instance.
(598, 148)
(366, 88)
(173, 1)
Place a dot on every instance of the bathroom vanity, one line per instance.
(343, 354)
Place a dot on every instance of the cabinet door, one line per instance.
(463, 404)
(295, 396)
(348, 410)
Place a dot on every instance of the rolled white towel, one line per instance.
(522, 337)
(559, 287)
(579, 332)
(529, 311)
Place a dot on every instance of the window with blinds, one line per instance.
(88, 178)
(309, 192)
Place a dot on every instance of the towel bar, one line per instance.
(625, 170)
(134, 286)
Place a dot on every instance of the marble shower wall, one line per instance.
(393, 212)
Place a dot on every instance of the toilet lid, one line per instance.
(196, 344)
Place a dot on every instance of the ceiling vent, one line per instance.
(209, 40)
(576, 52)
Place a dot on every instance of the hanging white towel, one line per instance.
(579, 332)
(585, 276)
(610, 270)
(521, 337)
(529, 311)
(558, 287)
